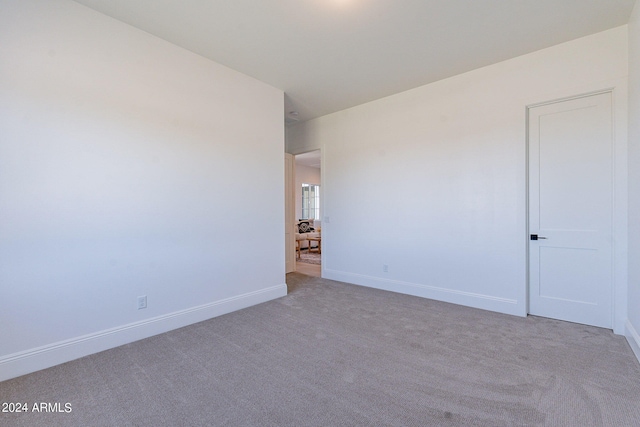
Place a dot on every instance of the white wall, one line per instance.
(127, 167)
(633, 327)
(432, 182)
(306, 175)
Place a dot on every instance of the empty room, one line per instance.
(476, 235)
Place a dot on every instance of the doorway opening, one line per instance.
(308, 213)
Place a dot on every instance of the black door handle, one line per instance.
(536, 237)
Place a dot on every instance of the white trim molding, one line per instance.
(633, 338)
(35, 359)
(468, 299)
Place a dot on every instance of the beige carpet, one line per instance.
(331, 354)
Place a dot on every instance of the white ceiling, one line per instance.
(311, 159)
(328, 55)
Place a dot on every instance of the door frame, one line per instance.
(295, 153)
(619, 209)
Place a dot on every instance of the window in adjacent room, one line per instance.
(310, 201)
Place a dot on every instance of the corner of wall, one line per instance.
(632, 324)
(633, 338)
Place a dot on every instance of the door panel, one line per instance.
(289, 212)
(570, 208)
(565, 272)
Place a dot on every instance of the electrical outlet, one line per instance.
(142, 302)
(385, 268)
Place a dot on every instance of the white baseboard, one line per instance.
(25, 362)
(634, 339)
(469, 299)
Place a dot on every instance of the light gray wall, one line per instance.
(633, 327)
(432, 182)
(127, 168)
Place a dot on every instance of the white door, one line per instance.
(289, 212)
(570, 210)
